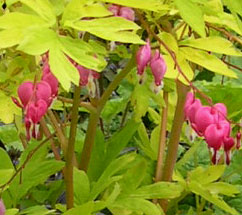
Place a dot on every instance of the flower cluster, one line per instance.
(156, 62)
(2, 208)
(211, 123)
(36, 98)
(124, 12)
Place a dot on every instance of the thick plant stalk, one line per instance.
(173, 144)
(70, 150)
(182, 91)
(162, 145)
(94, 116)
(89, 140)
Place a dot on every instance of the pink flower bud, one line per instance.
(238, 140)
(87, 77)
(43, 91)
(95, 74)
(221, 110)
(228, 144)
(158, 67)
(114, 9)
(214, 136)
(143, 57)
(46, 68)
(192, 110)
(84, 74)
(36, 110)
(127, 13)
(2, 208)
(27, 124)
(45, 57)
(203, 118)
(53, 82)
(25, 92)
(16, 101)
(189, 100)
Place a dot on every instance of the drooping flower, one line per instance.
(211, 123)
(34, 112)
(189, 100)
(25, 92)
(143, 57)
(202, 119)
(87, 79)
(50, 78)
(114, 9)
(43, 91)
(208, 115)
(192, 110)
(214, 136)
(228, 145)
(36, 98)
(127, 13)
(158, 68)
(2, 208)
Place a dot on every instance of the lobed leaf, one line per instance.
(214, 44)
(210, 62)
(192, 15)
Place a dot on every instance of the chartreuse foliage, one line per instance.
(203, 182)
(121, 196)
(121, 171)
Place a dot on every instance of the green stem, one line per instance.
(173, 144)
(197, 204)
(94, 116)
(89, 141)
(159, 165)
(52, 142)
(70, 150)
(115, 83)
(60, 135)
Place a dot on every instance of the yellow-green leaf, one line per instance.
(214, 199)
(37, 41)
(192, 15)
(20, 20)
(153, 5)
(208, 61)
(43, 8)
(77, 9)
(206, 176)
(213, 44)
(173, 73)
(222, 188)
(10, 37)
(224, 19)
(110, 24)
(82, 53)
(120, 36)
(8, 109)
(62, 68)
(5, 175)
(169, 40)
(110, 28)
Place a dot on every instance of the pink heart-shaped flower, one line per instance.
(25, 92)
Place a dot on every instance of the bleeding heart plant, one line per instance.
(211, 123)
(156, 62)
